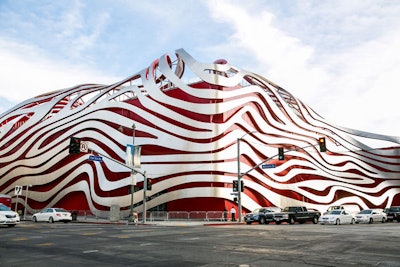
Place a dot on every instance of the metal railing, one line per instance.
(156, 215)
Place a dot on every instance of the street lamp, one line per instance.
(133, 173)
(144, 196)
(239, 175)
(26, 199)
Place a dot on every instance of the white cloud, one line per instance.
(349, 80)
(341, 58)
(28, 72)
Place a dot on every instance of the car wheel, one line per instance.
(278, 222)
(371, 220)
(291, 220)
(352, 221)
(315, 220)
(337, 222)
(34, 219)
(51, 220)
(262, 220)
(248, 222)
(11, 225)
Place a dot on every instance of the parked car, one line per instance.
(262, 215)
(352, 209)
(8, 217)
(337, 217)
(6, 200)
(393, 214)
(297, 214)
(52, 215)
(371, 216)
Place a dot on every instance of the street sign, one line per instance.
(84, 146)
(95, 158)
(268, 166)
(18, 190)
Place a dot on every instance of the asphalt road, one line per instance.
(87, 244)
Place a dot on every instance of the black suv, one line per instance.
(393, 213)
(262, 215)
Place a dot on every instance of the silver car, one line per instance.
(52, 215)
(337, 217)
(7, 216)
(371, 216)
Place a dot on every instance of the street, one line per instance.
(88, 244)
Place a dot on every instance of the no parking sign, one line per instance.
(18, 190)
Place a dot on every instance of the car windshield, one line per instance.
(60, 210)
(335, 212)
(273, 209)
(365, 212)
(394, 209)
(4, 207)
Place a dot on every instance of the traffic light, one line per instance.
(74, 145)
(322, 144)
(281, 155)
(241, 185)
(235, 185)
(148, 185)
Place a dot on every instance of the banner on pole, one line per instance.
(133, 156)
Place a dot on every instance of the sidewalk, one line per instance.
(94, 220)
(161, 223)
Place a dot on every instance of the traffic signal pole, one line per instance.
(258, 165)
(118, 162)
(240, 175)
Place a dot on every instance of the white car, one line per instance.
(370, 216)
(337, 217)
(52, 215)
(7, 216)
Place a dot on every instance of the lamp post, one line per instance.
(239, 176)
(133, 174)
(144, 196)
(26, 199)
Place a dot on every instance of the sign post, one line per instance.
(17, 192)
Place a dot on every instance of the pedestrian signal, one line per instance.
(74, 145)
(148, 185)
(322, 144)
(281, 155)
(235, 185)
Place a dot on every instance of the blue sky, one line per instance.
(340, 57)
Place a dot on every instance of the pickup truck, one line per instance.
(297, 214)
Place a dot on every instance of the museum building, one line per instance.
(200, 127)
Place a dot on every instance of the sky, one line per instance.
(341, 58)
